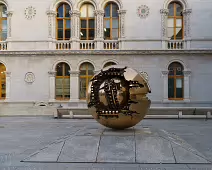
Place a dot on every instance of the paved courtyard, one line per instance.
(43, 143)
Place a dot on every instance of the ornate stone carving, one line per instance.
(165, 73)
(186, 20)
(143, 11)
(164, 14)
(52, 73)
(44, 104)
(187, 73)
(99, 14)
(122, 22)
(145, 75)
(29, 77)
(30, 12)
(51, 16)
(74, 73)
(7, 73)
(9, 16)
(75, 14)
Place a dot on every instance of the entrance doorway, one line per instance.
(2, 82)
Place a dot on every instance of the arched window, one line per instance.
(62, 83)
(63, 22)
(87, 29)
(175, 21)
(175, 81)
(109, 64)
(86, 73)
(2, 82)
(111, 22)
(3, 22)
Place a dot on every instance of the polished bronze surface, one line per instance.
(117, 97)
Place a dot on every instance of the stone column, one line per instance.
(164, 14)
(122, 28)
(186, 85)
(187, 29)
(74, 85)
(51, 28)
(8, 82)
(9, 31)
(165, 85)
(99, 27)
(75, 29)
(52, 75)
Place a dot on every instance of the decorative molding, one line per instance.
(9, 16)
(7, 73)
(143, 11)
(41, 104)
(74, 73)
(187, 73)
(122, 22)
(186, 20)
(9, 13)
(108, 52)
(51, 16)
(52, 73)
(164, 14)
(165, 73)
(99, 16)
(30, 12)
(75, 15)
(145, 75)
(29, 77)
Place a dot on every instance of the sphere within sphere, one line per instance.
(117, 98)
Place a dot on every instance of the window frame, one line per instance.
(87, 78)
(175, 77)
(64, 19)
(87, 19)
(2, 79)
(111, 18)
(175, 17)
(63, 78)
(1, 24)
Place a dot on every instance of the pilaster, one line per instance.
(75, 28)
(165, 85)
(187, 75)
(99, 27)
(74, 85)
(52, 75)
(8, 82)
(164, 15)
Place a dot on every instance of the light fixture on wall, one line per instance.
(81, 33)
(105, 29)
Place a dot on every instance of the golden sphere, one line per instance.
(117, 98)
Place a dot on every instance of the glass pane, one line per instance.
(67, 11)
(170, 87)
(171, 71)
(83, 72)
(67, 34)
(60, 34)
(178, 10)
(91, 23)
(107, 11)
(90, 72)
(109, 64)
(107, 23)
(68, 24)
(83, 11)
(83, 23)
(170, 22)
(115, 33)
(107, 32)
(179, 33)
(83, 34)
(170, 33)
(115, 23)
(178, 22)
(179, 92)
(114, 10)
(59, 69)
(3, 11)
(4, 35)
(60, 24)
(179, 71)
(171, 9)
(82, 88)
(60, 11)
(91, 34)
(179, 83)
(67, 69)
(83, 66)
(90, 10)
(90, 66)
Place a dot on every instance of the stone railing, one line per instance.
(87, 44)
(175, 44)
(63, 45)
(3, 45)
(111, 44)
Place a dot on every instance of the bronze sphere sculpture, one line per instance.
(117, 98)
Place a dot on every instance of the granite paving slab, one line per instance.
(112, 132)
(116, 149)
(80, 149)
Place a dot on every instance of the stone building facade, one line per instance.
(49, 49)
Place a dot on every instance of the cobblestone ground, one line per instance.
(22, 136)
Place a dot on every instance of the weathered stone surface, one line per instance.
(116, 149)
(80, 149)
(153, 150)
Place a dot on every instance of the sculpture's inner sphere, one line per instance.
(117, 97)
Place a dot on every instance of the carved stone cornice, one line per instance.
(52, 73)
(7, 73)
(187, 73)
(122, 12)
(164, 11)
(75, 13)
(187, 11)
(99, 12)
(106, 52)
(51, 12)
(74, 73)
(9, 13)
(165, 73)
